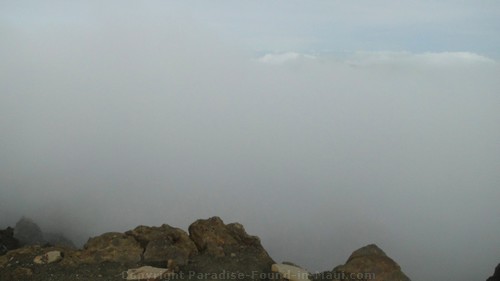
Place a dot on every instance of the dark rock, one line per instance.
(164, 243)
(111, 247)
(28, 232)
(366, 263)
(211, 251)
(214, 238)
(372, 260)
(7, 240)
(225, 250)
(63, 270)
(496, 275)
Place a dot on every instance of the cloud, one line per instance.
(109, 124)
(280, 58)
(428, 58)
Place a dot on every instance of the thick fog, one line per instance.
(108, 125)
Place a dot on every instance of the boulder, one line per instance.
(496, 275)
(7, 240)
(291, 272)
(369, 262)
(164, 243)
(112, 247)
(227, 252)
(49, 257)
(28, 232)
(214, 238)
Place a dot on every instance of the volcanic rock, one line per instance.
(49, 257)
(28, 232)
(496, 275)
(7, 240)
(227, 252)
(112, 247)
(214, 238)
(212, 251)
(369, 262)
(164, 243)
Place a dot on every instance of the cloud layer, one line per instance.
(110, 125)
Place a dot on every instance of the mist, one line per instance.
(109, 125)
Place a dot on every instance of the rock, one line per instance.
(112, 247)
(7, 240)
(28, 232)
(213, 237)
(290, 272)
(164, 243)
(496, 275)
(49, 257)
(147, 273)
(369, 262)
(21, 273)
(292, 264)
(225, 250)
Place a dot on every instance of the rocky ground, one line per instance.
(211, 250)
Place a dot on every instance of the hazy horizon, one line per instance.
(321, 127)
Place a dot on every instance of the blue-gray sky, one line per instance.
(321, 126)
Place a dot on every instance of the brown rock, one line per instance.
(213, 237)
(21, 273)
(113, 247)
(49, 257)
(164, 243)
(370, 262)
(225, 250)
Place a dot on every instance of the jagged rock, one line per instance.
(225, 250)
(7, 240)
(215, 251)
(213, 237)
(496, 275)
(147, 273)
(290, 272)
(49, 257)
(369, 262)
(112, 247)
(164, 243)
(28, 232)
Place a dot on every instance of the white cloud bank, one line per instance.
(387, 58)
(428, 58)
(279, 58)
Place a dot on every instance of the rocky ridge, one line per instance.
(210, 250)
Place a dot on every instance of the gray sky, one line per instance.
(320, 126)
